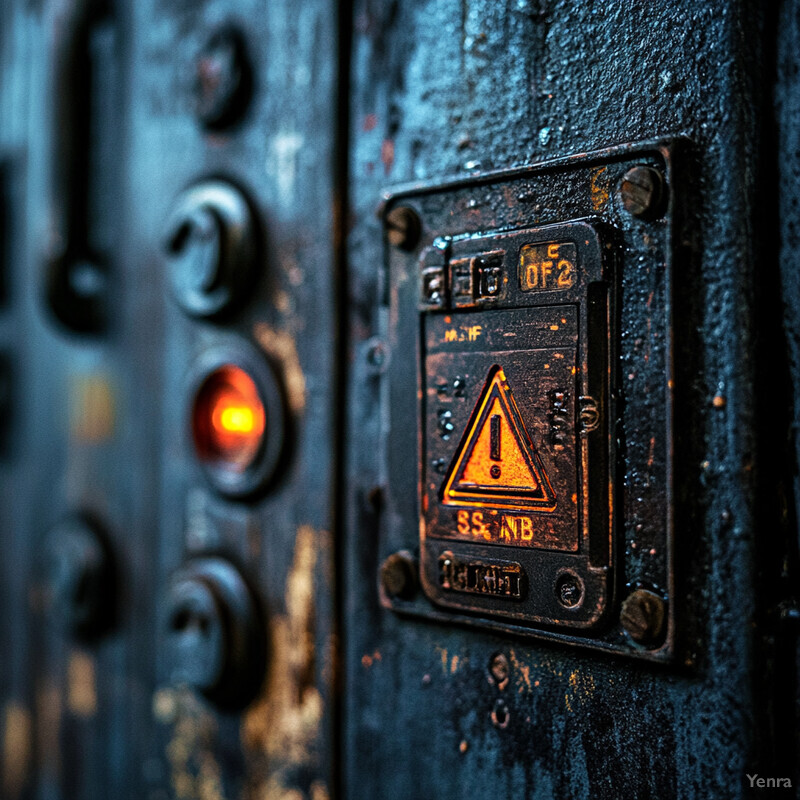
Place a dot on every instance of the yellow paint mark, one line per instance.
(454, 665)
(554, 327)
(599, 188)
(91, 409)
(17, 741)
(281, 346)
(81, 685)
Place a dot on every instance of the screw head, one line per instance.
(403, 228)
(641, 191)
(569, 590)
(643, 616)
(399, 575)
(223, 80)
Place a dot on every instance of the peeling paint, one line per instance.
(282, 347)
(81, 685)
(195, 773)
(16, 749)
(284, 725)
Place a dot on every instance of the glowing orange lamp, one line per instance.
(228, 419)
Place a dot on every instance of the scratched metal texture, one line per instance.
(100, 720)
(440, 88)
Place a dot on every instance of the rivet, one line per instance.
(399, 575)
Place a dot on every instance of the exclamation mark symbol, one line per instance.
(494, 445)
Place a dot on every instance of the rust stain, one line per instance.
(194, 771)
(16, 749)
(282, 728)
(581, 690)
(81, 685)
(282, 347)
(387, 155)
(522, 673)
(599, 188)
(368, 660)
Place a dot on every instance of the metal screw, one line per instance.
(403, 228)
(399, 575)
(498, 667)
(223, 83)
(569, 590)
(640, 191)
(642, 616)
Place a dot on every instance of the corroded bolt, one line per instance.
(403, 228)
(640, 191)
(399, 575)
(498, 667)
(643, 615)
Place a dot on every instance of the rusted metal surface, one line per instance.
(453, 97)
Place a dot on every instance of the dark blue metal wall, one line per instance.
(351, 100)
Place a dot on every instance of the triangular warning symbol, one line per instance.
(496, 463)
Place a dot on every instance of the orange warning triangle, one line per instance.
(496, 463)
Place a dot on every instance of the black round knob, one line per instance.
(214, 633)
(224, 79)
(210, 247)
(80, 577)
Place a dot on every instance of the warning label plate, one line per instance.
(501, 465)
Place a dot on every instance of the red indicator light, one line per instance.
(228, 419)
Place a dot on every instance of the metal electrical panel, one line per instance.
(511, 300)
